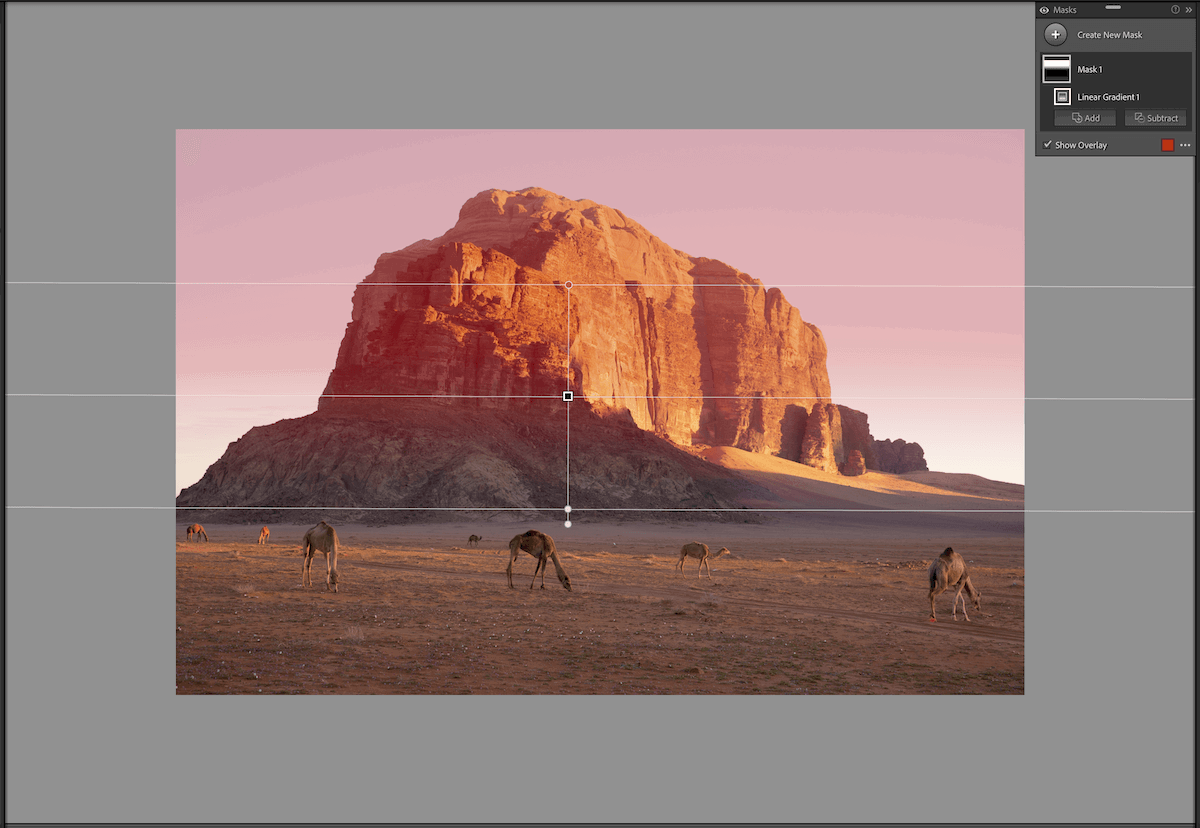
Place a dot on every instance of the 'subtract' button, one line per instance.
(1169, 118)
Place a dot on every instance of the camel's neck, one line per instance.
(970, 588)
(557, 566)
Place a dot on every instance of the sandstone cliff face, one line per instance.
(822, 447)
(694, 350)
(856, 435)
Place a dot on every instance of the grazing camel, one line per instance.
(474, 540)
(197, 530)
(264, 535)
(698, 550)
(321, 538)
(541, 547)
(950, 570)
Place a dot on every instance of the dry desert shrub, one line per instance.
(354, 634)
(244, 588)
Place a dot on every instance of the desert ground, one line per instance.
(808, 603)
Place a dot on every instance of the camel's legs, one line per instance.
(306, 571)
(541, 567)
(957, 597)
(330, 566)
(512, 560)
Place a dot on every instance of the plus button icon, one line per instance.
(1055, 34)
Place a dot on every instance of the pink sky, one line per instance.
(943, 367)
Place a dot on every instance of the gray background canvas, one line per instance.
(1105, 730)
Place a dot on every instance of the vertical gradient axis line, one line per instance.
(568, 405)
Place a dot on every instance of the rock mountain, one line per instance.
(448, 386)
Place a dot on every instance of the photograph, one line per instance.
(758, 480)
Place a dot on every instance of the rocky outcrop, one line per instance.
(856, 435)
(448, 390)
(854, 465)
(822, 448)
(531, 294)
(898, 457)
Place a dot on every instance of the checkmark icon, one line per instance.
(1046, 144)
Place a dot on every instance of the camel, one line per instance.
(698, 550)
(197, 530)
(950, 570)
(264, 535)
(474, 540)
(321, 538)
(541, 547)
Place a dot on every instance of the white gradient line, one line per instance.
(585, 509)
(612, 284)
(620, 397)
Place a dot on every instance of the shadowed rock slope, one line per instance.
(431, 458)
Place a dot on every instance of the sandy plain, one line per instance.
(807, 603)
